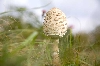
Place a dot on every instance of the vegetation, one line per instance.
(23, 44)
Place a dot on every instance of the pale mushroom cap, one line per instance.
(55, 23)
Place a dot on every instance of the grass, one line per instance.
(31, 50)
(23, 45)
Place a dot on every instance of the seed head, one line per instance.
(55, 23)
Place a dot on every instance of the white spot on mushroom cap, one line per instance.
(55, 23)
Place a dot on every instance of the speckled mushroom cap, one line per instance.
(55, 23)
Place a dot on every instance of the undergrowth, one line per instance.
(24, 45)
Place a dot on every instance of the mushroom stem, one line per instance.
(56, 60)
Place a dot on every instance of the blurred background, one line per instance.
(82, 14)
(20, 19)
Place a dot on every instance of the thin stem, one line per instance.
(55, 52)
(70, 38)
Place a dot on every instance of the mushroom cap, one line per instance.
(55, 23)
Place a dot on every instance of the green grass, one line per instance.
(31, 50)
(23, 45)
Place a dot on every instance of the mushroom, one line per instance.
(55, 26)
